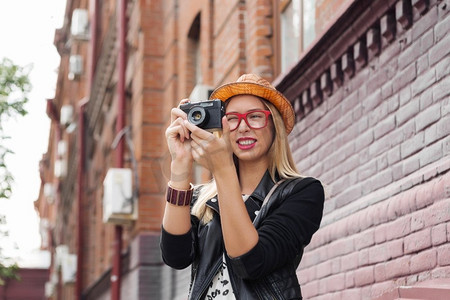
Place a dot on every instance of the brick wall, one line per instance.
(148, 102)
(228, 32)
(378, 137)
(30, 286)
(327, 11)
(259, 49)
(372, 122)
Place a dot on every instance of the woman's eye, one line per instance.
(255, 116)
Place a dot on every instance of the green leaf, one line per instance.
(14, 88)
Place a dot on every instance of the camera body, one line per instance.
(205, 114)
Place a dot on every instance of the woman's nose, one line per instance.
(242, 126)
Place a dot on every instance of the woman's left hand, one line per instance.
(209, 150)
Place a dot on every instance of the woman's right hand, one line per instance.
(176, 219)
(177, 137)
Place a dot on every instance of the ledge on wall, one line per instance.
(432, 289)
(359, 34)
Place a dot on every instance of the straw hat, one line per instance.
(251, 84)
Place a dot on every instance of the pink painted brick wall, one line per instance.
(381, 145)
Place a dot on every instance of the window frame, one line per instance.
(280, 7)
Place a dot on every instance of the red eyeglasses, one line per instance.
(255, 119)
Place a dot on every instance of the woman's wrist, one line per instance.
(180, 174)
(179, 197)
(225, 171)
(180, 185)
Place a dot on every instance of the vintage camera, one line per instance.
(205, 114)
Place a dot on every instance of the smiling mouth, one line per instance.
(246, 142)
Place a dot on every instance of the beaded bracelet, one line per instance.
(179, 197)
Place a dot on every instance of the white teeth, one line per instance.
(246, 142)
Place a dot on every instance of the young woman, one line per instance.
(239, 248)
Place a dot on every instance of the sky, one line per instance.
(27, 29)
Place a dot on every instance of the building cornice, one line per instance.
(361, 32)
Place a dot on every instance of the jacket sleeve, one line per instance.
(178, 251)
(284, 232)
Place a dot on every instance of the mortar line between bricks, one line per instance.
(417, 178)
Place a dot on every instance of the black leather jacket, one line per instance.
(285, 226)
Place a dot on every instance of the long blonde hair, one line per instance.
(281, 163)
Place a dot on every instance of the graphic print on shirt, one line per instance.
(220, 287)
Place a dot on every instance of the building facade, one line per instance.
(368, 80)
(30, 285)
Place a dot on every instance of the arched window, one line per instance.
(193, 56)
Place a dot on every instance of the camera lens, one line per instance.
(197, 115)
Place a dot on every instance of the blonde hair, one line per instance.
(281, 163)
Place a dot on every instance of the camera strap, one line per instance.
(266, 199)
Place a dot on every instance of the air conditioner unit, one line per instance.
(49, 192)
(79, 28)
(49, 289)
(66, 115)
(62, 148)
(75, 66)
(61, 251)
(54, 273)
(69, 268)
(60, 168)
(44, 225)
(201, 92)
(118, 202)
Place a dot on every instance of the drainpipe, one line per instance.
(80, 197)
(93, 4)
(116, 277)
(93, 8)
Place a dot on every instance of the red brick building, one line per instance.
(30, 286)
(368, 80)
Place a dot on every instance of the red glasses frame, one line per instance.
(244, 117)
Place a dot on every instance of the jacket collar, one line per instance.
(263, 187)
(256, 198)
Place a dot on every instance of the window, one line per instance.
(297, 29)
(194, 57)
(309, 22)
(290, 33)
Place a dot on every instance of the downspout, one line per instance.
(80, 197)
(116, 276)
(81, 153)
(93, 8)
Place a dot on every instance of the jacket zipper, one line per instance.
(203, 289)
